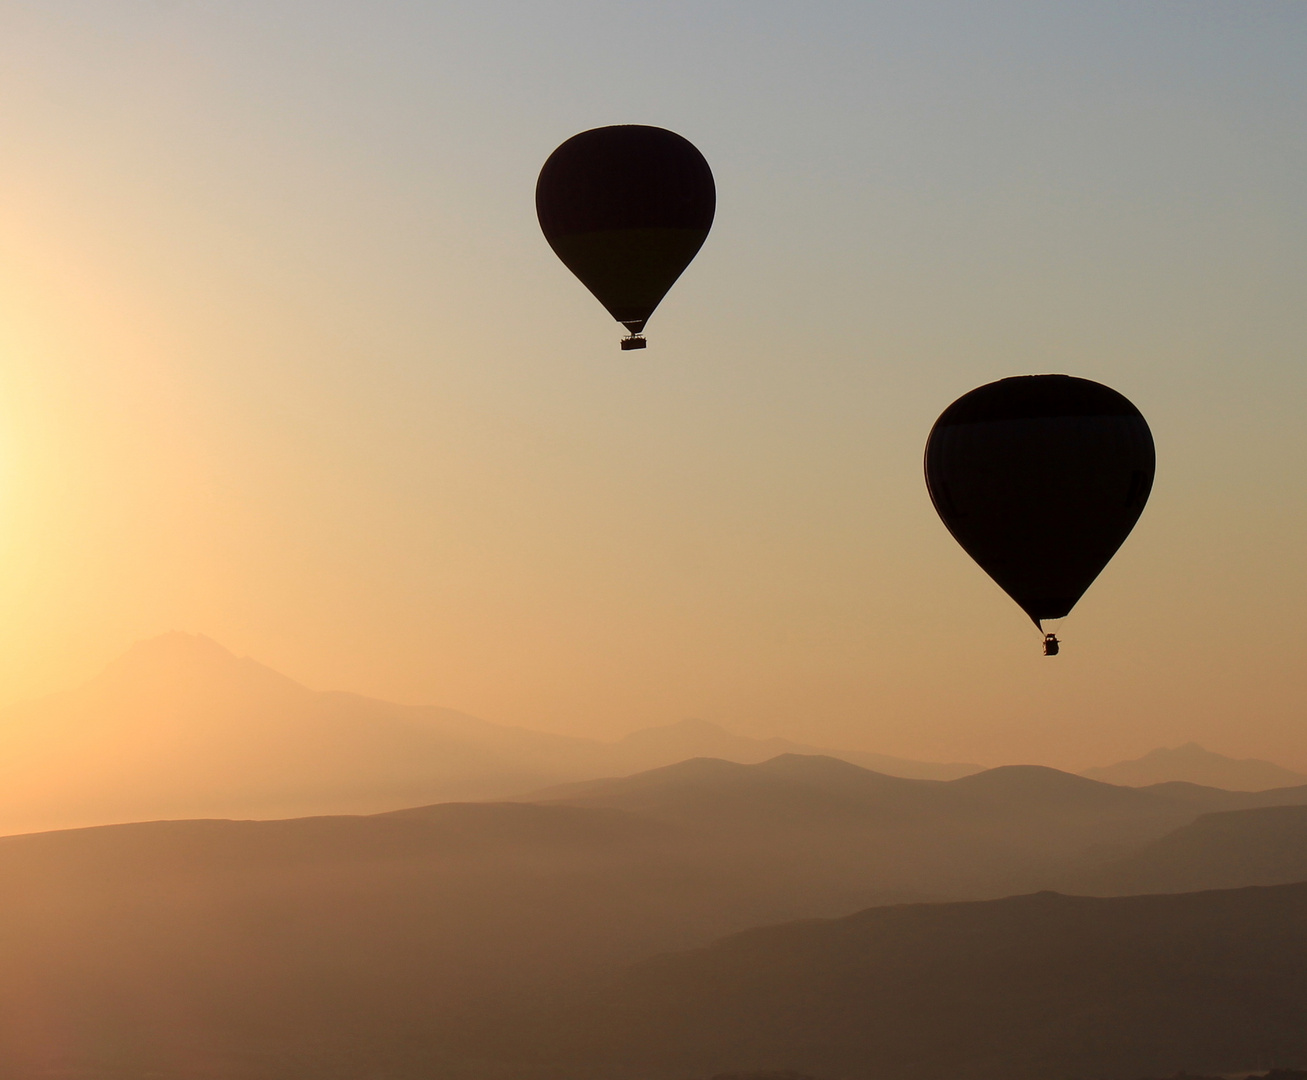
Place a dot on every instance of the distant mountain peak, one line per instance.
(1195, 764)
(694, 737)
(178, 643)
(1041, 782)
(812, 765)
(179, 725)
(1190, 749)
(180, 657)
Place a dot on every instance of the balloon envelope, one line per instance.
(626, 208)
(1040, 478)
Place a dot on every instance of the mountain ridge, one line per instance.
(444, 940)
(1225, 849)
(180, 727)
(1195, 764)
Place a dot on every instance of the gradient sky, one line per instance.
(285, 360)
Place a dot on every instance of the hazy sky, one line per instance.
(285, 360)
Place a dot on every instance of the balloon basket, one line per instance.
(1051, 645)
(635, 341)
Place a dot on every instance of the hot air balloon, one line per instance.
(626, 208)
(1040, 478)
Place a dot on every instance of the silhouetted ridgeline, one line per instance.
(1193, 764)
(1024, 988)
(1266, 846)
(180, 728)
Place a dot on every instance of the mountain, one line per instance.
(391, 944)
(799, 792)
(295, 947)
(1023, 988)
(1195, 765)
(1266, 846)
(831, 836)
(652, 747)
(527, 942)
(835, 836)
(179, 727)
(188, 949)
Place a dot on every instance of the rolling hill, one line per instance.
(1000, 831)
(1266, 846)
(395, 944)
(1025, 987)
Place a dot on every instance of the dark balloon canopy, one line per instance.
(626, 208)
(1040, 479)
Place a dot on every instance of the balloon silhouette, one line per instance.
(626, 208)
(1040, 478)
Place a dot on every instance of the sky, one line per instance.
(285, 360)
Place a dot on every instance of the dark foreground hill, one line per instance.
(1031, 987)
(1024, 988)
